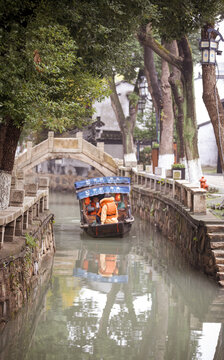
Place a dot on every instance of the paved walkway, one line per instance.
(216, 180)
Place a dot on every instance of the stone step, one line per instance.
(218, 252)
(220, 275)
(215, 228)
(216, 236)
(219, 260)
(217, 245)
(221, 283)
(220, 267)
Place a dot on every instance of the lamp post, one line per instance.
(209, 48)
(143, 92)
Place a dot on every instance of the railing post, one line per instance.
(100, 146)
(50, 141)
(79, 136)
(16, 197)
(29, 146)
(43, 184)
(19, 179)
(2, 233)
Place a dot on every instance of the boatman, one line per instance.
(108, 210)
(92, 205)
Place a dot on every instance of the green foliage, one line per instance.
(178, 166)
(57, 89)
(146, 126)
(187, 16)
(31, 241)
(145, 155)
(102, 30)
(133, 98)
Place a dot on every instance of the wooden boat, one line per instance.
(99, 187)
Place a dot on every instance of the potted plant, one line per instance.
(178, 171)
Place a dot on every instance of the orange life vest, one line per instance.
(110, 266)
(111, 207)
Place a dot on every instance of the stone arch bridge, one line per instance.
(72, 148)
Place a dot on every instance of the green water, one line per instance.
(150, 305)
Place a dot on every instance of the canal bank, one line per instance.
(27, 245)
(178, 209)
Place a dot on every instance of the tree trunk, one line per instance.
(177, 91)
(9, 137)
(185, 64)
(152, 79)
(126, 124)
(166, 153)
(213, 104)
(190, 124)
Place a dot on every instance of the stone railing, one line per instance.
(191, 196)
(27, 202)
(76, 148)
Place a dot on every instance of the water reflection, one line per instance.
(133, 298)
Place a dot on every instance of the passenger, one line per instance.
(89, 207)
(108, 210)
(95, 205)
(119, 202)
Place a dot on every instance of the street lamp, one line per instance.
(209, 48)
(141, 104)
(143, 92)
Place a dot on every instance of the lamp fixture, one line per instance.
(209, 48)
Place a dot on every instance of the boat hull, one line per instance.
(108, 230)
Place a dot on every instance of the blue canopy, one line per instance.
(102, 181)
(99, 278)
(122, 189)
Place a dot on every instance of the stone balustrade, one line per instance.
(191, 196)
(25, 206)
(72, 148)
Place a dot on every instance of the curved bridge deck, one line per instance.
(73, 148)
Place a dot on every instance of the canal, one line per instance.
(131, 298)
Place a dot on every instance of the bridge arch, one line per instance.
(68, 148)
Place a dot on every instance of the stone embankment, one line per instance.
(178, 209)
(27, 243)
(63, 182)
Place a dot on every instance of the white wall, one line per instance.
(105, 111)
(207, 146)
(206, 139)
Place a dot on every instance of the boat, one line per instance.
(98, 187)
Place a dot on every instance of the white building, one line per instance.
(110, 132)
(207, 147)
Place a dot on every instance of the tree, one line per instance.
(129, 60)
(187, 17)
(211, 97)
(42, 80)
(185, 65)
(126, 124)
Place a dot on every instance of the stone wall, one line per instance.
(188, 232)
(58, 182)
(15, 337)
(22, 262)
